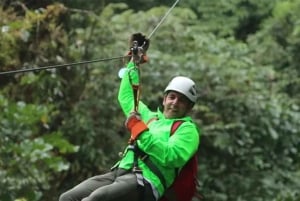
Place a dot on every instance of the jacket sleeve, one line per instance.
(126, 97)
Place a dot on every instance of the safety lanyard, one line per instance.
(135, 86)
(136, 92)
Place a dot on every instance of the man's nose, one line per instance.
(175, 101)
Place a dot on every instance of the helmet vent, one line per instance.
(193, 90)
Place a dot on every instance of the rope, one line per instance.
(90, 61)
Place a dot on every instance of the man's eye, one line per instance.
(172, 97)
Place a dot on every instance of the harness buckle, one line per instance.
(137, 170)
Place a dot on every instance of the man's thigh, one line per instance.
(85, 188)
(124, 188)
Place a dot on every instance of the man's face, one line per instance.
(176, 105)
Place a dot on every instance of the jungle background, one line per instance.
(62, 125)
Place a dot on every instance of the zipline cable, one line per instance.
(90, 61)
(163, 19)
(59, 65)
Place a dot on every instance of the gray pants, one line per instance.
(118, 185)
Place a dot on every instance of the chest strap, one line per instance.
(139, 154)
(146, 159)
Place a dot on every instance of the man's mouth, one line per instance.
(173, 110)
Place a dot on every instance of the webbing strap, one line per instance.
(140, 181)
(139, 154)
(145, 158)
(135, 88)
(136, 95)
(175, 125)
(139, 177)
(154, 169)
(138, 173)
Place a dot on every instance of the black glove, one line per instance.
(138, 46)
(141, 39)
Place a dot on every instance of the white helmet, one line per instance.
(183, 85)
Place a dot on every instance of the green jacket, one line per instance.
(165, 151)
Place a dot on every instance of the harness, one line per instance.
(140, 155)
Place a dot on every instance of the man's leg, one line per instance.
(85, 188)
(124, 188)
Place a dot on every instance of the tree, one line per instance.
(246, 71)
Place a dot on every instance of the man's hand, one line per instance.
(138, 46)
(141, 40)
(135, 125)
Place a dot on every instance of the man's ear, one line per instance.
(191, 105)
(164, 100)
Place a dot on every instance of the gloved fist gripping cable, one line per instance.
(135, 126)
(138, 45)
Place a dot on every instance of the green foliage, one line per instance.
(8, 47)
(29, 160)
(62, 125)
(237, 18)
(278, 46)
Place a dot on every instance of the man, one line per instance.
(132, 179)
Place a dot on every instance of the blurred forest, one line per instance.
(62, 125)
